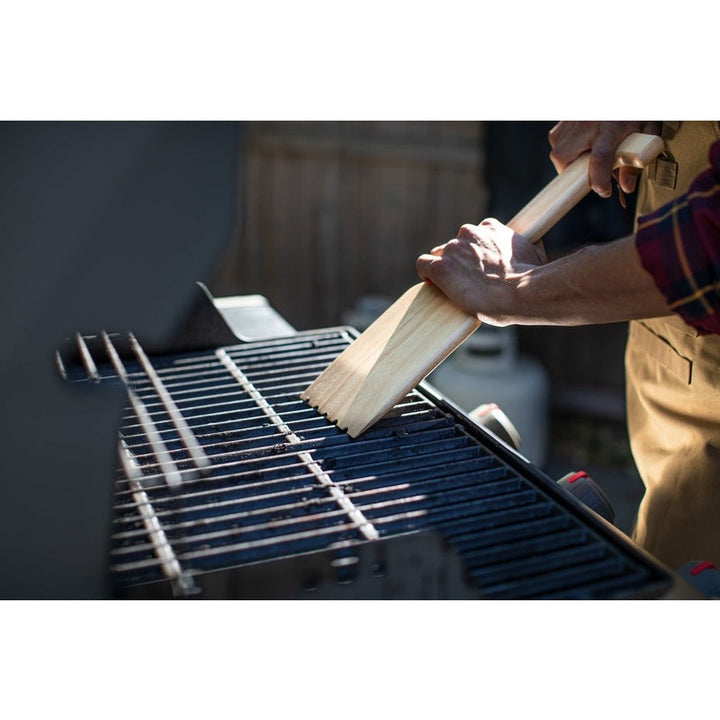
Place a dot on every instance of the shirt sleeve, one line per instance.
(679, 245)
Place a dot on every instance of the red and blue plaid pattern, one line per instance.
(679, 245)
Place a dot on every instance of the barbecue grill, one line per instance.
(228, 485)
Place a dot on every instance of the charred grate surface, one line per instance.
(263, 477)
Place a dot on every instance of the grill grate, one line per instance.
(223, 466)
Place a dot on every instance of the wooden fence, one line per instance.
(332, 211)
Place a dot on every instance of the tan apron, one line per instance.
(673, 391)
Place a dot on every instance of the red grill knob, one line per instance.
(582, 487)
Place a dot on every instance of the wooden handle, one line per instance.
(572, 184)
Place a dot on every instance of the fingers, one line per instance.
(568, 140)
(443, 260)
(601, 165)
(438, 250)
(468, 233)
(627, 178)
(426, 266)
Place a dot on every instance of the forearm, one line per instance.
(499, 277)
(597, 284)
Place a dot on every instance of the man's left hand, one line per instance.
(480, 269)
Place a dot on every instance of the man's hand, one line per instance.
(568, 140)
(480, 270)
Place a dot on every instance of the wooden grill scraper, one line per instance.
(417, 332)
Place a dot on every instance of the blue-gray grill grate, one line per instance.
(283, 481)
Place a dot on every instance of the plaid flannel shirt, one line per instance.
(679, 245)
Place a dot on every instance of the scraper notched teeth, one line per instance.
(327, 414)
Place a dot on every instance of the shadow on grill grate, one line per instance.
(230, 486)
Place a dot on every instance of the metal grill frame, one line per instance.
(377, 567)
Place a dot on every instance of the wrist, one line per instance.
(509, 300)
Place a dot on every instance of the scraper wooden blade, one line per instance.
(420, 329)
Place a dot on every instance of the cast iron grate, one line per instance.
(222, 465)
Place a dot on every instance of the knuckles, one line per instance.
(474, 233)
(466, 232)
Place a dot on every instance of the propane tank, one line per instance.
(488, 369)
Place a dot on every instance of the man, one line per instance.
(664, 279)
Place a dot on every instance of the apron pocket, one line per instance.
(662, 351)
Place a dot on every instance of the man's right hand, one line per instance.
(568, 140)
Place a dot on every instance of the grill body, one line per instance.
(425, 504)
